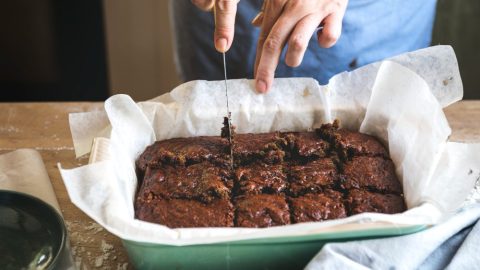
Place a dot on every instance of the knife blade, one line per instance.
(229, 114)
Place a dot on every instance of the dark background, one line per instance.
(55, 50)
(52, 50)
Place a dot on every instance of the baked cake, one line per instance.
(277, 178)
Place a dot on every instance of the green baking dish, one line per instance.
(264, 253)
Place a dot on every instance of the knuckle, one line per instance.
(297, 44)
(223, 30)
(272, 44)
(263, 74)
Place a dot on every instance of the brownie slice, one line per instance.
(306, 144)
(184, 151)
(371, 173)
(360, 201)
(351, 143)
(179, 213)
(266, 147)
(318, 206)
(202, 181)
(313, 176)
(261, 210)
(259, 178)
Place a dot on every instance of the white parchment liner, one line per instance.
(400, 101)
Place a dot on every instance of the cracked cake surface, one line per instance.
(277, 178)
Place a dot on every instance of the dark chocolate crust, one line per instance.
(201, 181)
(318, 206)
(261, 210)
(306, 144)
(349, 143)
(276, 179)
(371, 173)
(184, 150)
(258, 178)
(313, 176)
(360, 201)
(179, 213)
(266, 147)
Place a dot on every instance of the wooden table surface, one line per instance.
(44, 127)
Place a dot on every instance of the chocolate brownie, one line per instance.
(371, 173)
(201, 181)
(184, 150)
(259, 178)
(277, 178)
(318, 206)
(266, 147)
(261, 210)
(179, 213)
(350, 143)
(306, 144)
(360, 201)
(313, 176)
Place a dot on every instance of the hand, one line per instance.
(224, 11)
(293, 22)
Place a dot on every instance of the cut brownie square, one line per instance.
(261, 210)
(360, 201)
(257, 178)
(313, 176)
(201, 181)
(318, 206)
(350, 143)
(371, 173)
(179, 213)
(266, 147)
(306, 144)
(183, 151)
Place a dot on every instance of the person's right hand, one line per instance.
(224, 11)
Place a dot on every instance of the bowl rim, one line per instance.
(54, 212)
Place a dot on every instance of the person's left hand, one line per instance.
(293, 22)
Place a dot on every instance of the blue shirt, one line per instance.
(372, 30)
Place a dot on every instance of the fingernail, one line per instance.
(221, 44)
(261, 86)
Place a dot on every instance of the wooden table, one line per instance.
(44, 127)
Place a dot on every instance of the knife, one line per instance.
(229, 114)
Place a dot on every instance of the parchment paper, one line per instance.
(389, 100)
(23, 171)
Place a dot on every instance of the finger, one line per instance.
(257, 21)
(205, 5)
(299, 39)
(332, 28)
(225, 11)
(272, 49)
(272, 11)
